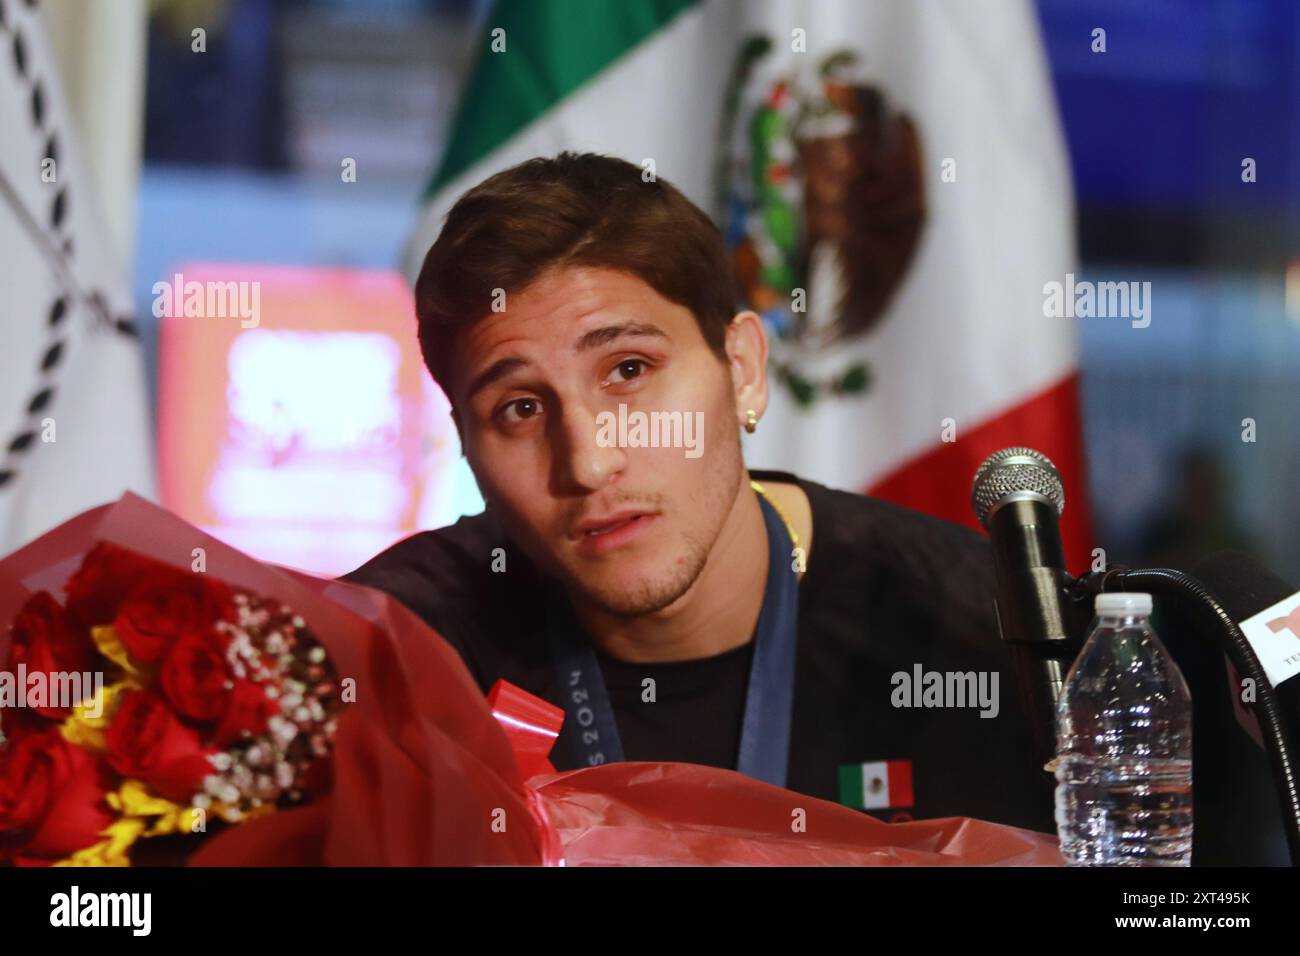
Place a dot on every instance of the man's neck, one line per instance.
(718, 613)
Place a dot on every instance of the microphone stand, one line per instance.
(1193, 597)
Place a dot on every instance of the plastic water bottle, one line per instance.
(1124, 746)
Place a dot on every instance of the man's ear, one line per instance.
(747, 361)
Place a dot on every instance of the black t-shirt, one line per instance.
(887, 591)
(697, 710)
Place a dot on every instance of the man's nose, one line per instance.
(589, 454)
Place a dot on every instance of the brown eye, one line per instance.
(629, 369)
(519, 410)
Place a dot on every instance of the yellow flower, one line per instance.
(89, 732)
(111, 646)
(144, 814)
(114, 851)
(134, 799)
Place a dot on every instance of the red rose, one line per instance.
(22, 720)
(106, 576)
(248, 710)
(194, 676)
(164, 605)
(47, 642)
(147, 741)
(51, 797)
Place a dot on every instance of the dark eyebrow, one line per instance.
(609, 333)
(497, 370)
(593, 339)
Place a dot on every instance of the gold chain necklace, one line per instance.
(794, 538)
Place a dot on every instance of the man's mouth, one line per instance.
(606, 529)
(611, 530)
(595, 527)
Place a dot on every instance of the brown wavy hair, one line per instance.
(574, 209)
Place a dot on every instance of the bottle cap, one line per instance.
(1123, 602)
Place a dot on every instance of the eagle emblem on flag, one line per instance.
(820, 194)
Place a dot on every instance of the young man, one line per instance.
(676, 610)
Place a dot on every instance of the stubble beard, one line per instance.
(713, 501)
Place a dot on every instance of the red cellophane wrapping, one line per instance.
(423, 773)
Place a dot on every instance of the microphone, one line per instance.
(1244, 588)
(1018, 497)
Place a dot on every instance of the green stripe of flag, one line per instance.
(852, 792)
(552, 48)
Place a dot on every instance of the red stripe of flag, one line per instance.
(900, 782)
(939, 481)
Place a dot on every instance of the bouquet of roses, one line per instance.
(166, 698)
(154, 702)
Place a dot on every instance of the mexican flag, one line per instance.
(74, 419)
(876, 785)
(894, 191)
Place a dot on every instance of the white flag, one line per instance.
(74, 423)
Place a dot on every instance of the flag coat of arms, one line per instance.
(893, 188)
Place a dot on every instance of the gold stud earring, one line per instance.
(751, 421)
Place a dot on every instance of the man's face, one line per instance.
(628, 528)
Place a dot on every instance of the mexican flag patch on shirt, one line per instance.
(876, 785)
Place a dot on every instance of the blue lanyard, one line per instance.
(765, 728)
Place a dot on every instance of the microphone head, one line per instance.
(1015, 474)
